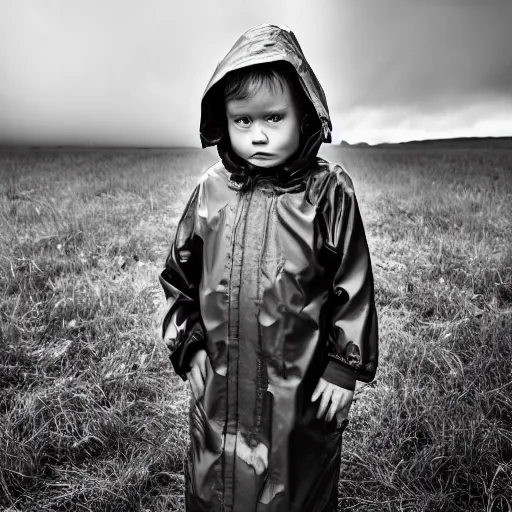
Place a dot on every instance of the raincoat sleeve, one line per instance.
(182, 327)
(352, 344)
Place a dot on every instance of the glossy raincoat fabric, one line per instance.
(275, 283)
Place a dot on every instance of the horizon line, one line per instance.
(134, 146)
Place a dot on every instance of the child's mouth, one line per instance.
(263, 156)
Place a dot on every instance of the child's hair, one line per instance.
(242, 83)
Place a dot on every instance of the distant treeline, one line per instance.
(461, 142)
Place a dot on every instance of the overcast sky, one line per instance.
(132, 72)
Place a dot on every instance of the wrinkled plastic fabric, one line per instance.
(276, 285)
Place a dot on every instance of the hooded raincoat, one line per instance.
(274, 281)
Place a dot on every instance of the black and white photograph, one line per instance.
(256, 257)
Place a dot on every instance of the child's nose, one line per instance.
(259, 136)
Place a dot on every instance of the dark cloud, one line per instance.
(123, 72)
(425, 53)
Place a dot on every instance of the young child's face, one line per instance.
(265, 128)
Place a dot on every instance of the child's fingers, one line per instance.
(336, 399)
(322, 384)
(198, 381)
(346, 399)
(200, 384)
(324, 402)
(340, 401)
(330, 413)
(199, 361)
(202, 364)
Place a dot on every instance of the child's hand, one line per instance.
(339, 398)
(197, 374)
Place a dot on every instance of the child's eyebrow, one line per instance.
(239, 111)
(277, 110)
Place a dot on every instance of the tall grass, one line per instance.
(434, 431)
(91, 415)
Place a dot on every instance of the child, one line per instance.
(269, 286)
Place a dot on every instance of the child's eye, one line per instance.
(275, 118)
(243, 121)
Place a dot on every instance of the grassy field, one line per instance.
(92, 417)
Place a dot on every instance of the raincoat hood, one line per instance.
(259, 45)
(262, 44)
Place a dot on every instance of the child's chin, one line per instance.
(265, 164)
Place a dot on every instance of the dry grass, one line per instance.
(91, 416)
